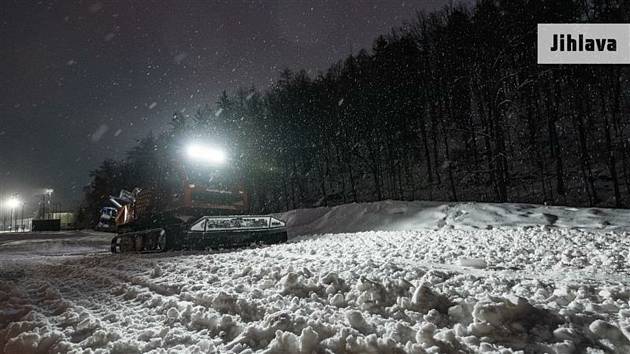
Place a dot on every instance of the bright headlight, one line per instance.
(206, 154)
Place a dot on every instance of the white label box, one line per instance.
(583, 43)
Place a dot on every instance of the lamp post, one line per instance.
(12, 203)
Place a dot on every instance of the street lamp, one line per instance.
(13, 203)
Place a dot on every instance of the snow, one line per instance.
(98, 134)
(402, 216)
(21, 245)
(388, 277)
(179, 58)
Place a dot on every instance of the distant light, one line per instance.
(13, 203)
(206, 154)
(48, 191)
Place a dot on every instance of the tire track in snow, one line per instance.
(93, 306)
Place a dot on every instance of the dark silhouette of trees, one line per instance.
(451, 106)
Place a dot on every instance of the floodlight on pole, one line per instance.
(206, 154)
(13, 202)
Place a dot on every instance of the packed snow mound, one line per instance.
(419, 215)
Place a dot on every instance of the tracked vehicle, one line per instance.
(208, 232)
(205, 211)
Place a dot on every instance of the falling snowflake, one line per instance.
(180, 57)
(98, 134)
(95, 7)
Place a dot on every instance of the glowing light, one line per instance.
(206, 154)
(13, 203)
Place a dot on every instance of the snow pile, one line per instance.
(518, 289)
(403, 216)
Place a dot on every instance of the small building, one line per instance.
(55, 222)
(67, 219)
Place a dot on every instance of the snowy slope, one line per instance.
(447, 284)
(403, 216)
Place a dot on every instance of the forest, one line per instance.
(450, 106)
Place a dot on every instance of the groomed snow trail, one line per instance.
(531, 289)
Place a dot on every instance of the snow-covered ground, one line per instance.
(433, 278)
(21, 245)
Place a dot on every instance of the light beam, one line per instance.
(206, 154)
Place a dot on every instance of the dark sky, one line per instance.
(81, 81)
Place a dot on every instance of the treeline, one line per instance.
(451, 106)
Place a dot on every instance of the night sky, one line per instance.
(81, 81)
